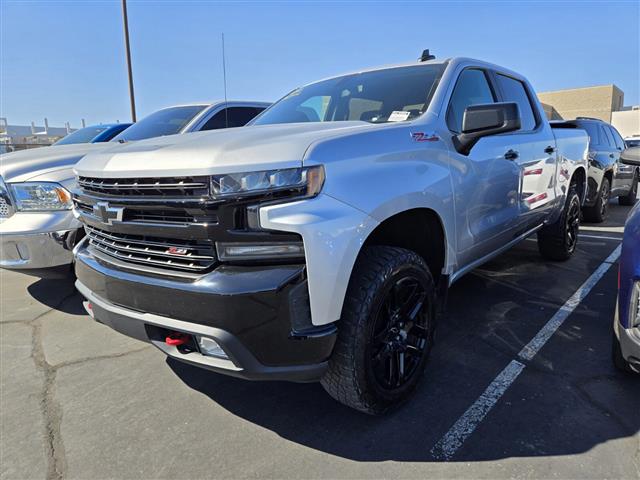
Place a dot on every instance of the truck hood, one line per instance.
(25, 165)
(259, 147)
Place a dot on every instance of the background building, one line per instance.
(20, 137)
(627, 121)
(604, 102)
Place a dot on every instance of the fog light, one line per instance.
(253, 251)
(210, 347)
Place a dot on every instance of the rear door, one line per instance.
(536, 160)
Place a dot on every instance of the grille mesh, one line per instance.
(5, 211)
(174, 254)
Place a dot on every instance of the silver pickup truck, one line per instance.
(37, 228)
(318, 242)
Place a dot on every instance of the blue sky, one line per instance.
(65, 60)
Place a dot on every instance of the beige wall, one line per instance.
(627, 122)
(598, 102)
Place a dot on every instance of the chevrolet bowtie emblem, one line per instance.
(107, 214)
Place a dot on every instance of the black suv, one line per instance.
(608, 176)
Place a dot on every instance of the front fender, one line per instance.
(333, 234)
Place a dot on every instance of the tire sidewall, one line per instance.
(390, 397)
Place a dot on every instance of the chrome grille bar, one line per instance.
(171, 186)
(187, 255)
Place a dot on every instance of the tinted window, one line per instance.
(235, 116)
(167, 121)
(617, 138)
(84, 135)
(592, 130)
(514, 91)
(389, 95)
(472, 88)
(605, 133)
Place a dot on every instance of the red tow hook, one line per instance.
(176, 339)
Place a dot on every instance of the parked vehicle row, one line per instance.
(37, 228)
(611, 174)
(318, 242)
(94, 134)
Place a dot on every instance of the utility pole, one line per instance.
(128, 53)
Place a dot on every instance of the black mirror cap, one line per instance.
(484, 120)
(631, 156)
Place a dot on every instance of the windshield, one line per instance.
(391, 95)
(167, 121)
(632, 143)
(84, 135)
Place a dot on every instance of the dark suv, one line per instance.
(608, 176)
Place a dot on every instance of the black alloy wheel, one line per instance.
(400, 334)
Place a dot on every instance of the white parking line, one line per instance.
(449, 444)
(599, 237)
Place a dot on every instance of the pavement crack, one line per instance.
(51, 411)
(100, 357)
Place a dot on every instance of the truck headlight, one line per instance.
(634, 306)
(307, 180)
(41, 196)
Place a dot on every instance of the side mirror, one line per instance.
(484, 120)
(631, 156)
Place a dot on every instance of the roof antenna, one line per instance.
(224, 76)
(426, 56)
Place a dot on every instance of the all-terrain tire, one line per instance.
(558, 241)
(350, 378)
(598, 212)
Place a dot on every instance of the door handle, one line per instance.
(511, 155)
(611, 155)
(549, 150)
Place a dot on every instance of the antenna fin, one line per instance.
(224, 79)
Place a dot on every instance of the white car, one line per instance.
(37, 228)
(318, 242)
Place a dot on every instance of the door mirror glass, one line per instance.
(484, 120)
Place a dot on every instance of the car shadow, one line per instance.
(58, 293)
(568, 400)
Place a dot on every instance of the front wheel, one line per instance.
(385, 332)
(558, 241)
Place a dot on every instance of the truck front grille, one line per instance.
(174, 254)
(5, 210)
(157, 187)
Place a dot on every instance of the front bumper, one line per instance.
(629, 339)
(258, 315)
(31, 241)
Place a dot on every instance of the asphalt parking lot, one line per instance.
(80, 401)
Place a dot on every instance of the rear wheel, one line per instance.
(386, 331)
(558, 241)
(630, 198)
(598, 212)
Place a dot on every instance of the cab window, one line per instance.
(515, 91)
(606, 137)
(472, 88)
(231, 117)
(617, 138)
